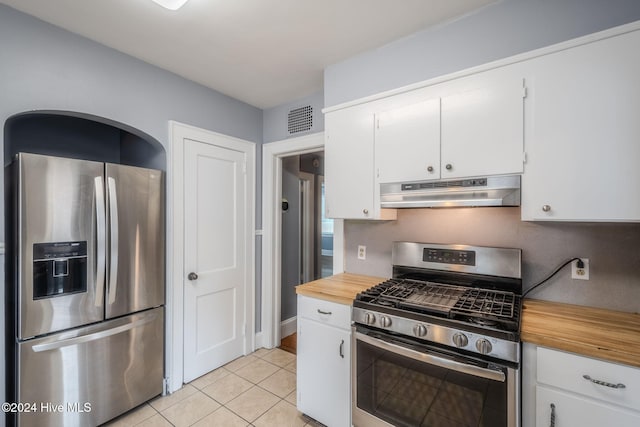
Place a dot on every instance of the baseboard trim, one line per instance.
(259, 340)
(288, 327)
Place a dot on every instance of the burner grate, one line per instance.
(486, 303)
(434, 297)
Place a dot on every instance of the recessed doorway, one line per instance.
(307, 235)
(274, 155)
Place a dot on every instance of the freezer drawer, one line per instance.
(87, 376)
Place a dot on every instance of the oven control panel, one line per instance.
(441, 334)
(449, 256)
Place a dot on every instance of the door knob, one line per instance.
(192, 276)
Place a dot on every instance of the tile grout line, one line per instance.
(253, 384)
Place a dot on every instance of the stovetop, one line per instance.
(458, 296)
(485, 308)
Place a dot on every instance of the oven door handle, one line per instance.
(453, 365)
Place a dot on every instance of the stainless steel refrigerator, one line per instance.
(88, 289)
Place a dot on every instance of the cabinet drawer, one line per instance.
(567, 371)
(572, 410)
(330, 313)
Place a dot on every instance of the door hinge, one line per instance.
(377, 123)
(244, 328)
(524, 92)
(524, 157)
(244, 167)
(165, 386)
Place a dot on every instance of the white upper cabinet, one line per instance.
(482, 128)
(407, 142)
(349, 169)
(566, 117)
(467, 127)
(583, 145)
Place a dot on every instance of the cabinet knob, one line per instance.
(430, 169)
(448, 166)
(546, 208)
(365, 211)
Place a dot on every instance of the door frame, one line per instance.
(174, 334)
(272, 155)
(306, 222)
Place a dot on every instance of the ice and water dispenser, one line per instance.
(59, 268)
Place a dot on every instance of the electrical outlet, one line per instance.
(362, 252)
(580, 273)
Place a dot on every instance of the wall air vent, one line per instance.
(300, 119)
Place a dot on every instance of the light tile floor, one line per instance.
(257, 390)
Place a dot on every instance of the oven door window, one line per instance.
(406, 392)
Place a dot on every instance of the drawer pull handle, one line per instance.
(328, 313)
(603, 383)
(342, 349)
(552, 418)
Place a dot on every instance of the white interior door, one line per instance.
(215, 264)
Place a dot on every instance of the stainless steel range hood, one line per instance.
(489, 191)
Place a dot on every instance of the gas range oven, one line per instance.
(439, 342)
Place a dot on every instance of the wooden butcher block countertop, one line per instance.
(595, 332)
(341, 288)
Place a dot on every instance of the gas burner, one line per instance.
(385, 302)
(483, 321)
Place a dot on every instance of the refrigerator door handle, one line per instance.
(113, 243)
(95, 336)
(101, 242)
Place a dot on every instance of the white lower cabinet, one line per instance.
(324, 361)
(569, 390)
(557, 408)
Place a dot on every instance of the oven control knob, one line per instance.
(369, 319)
(419, 330)
(460, 340)
(385, 321)
(483, 346)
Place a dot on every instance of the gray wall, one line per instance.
(275, 119)
(290, 262)
(496, 31)
(45, 67)
(612, 249)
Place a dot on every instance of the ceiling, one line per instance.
(262, 52)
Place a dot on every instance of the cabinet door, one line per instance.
(482, 129)
(573, 410)
(407, 143)
(349, 170)
(583, 150)
(323, 373)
